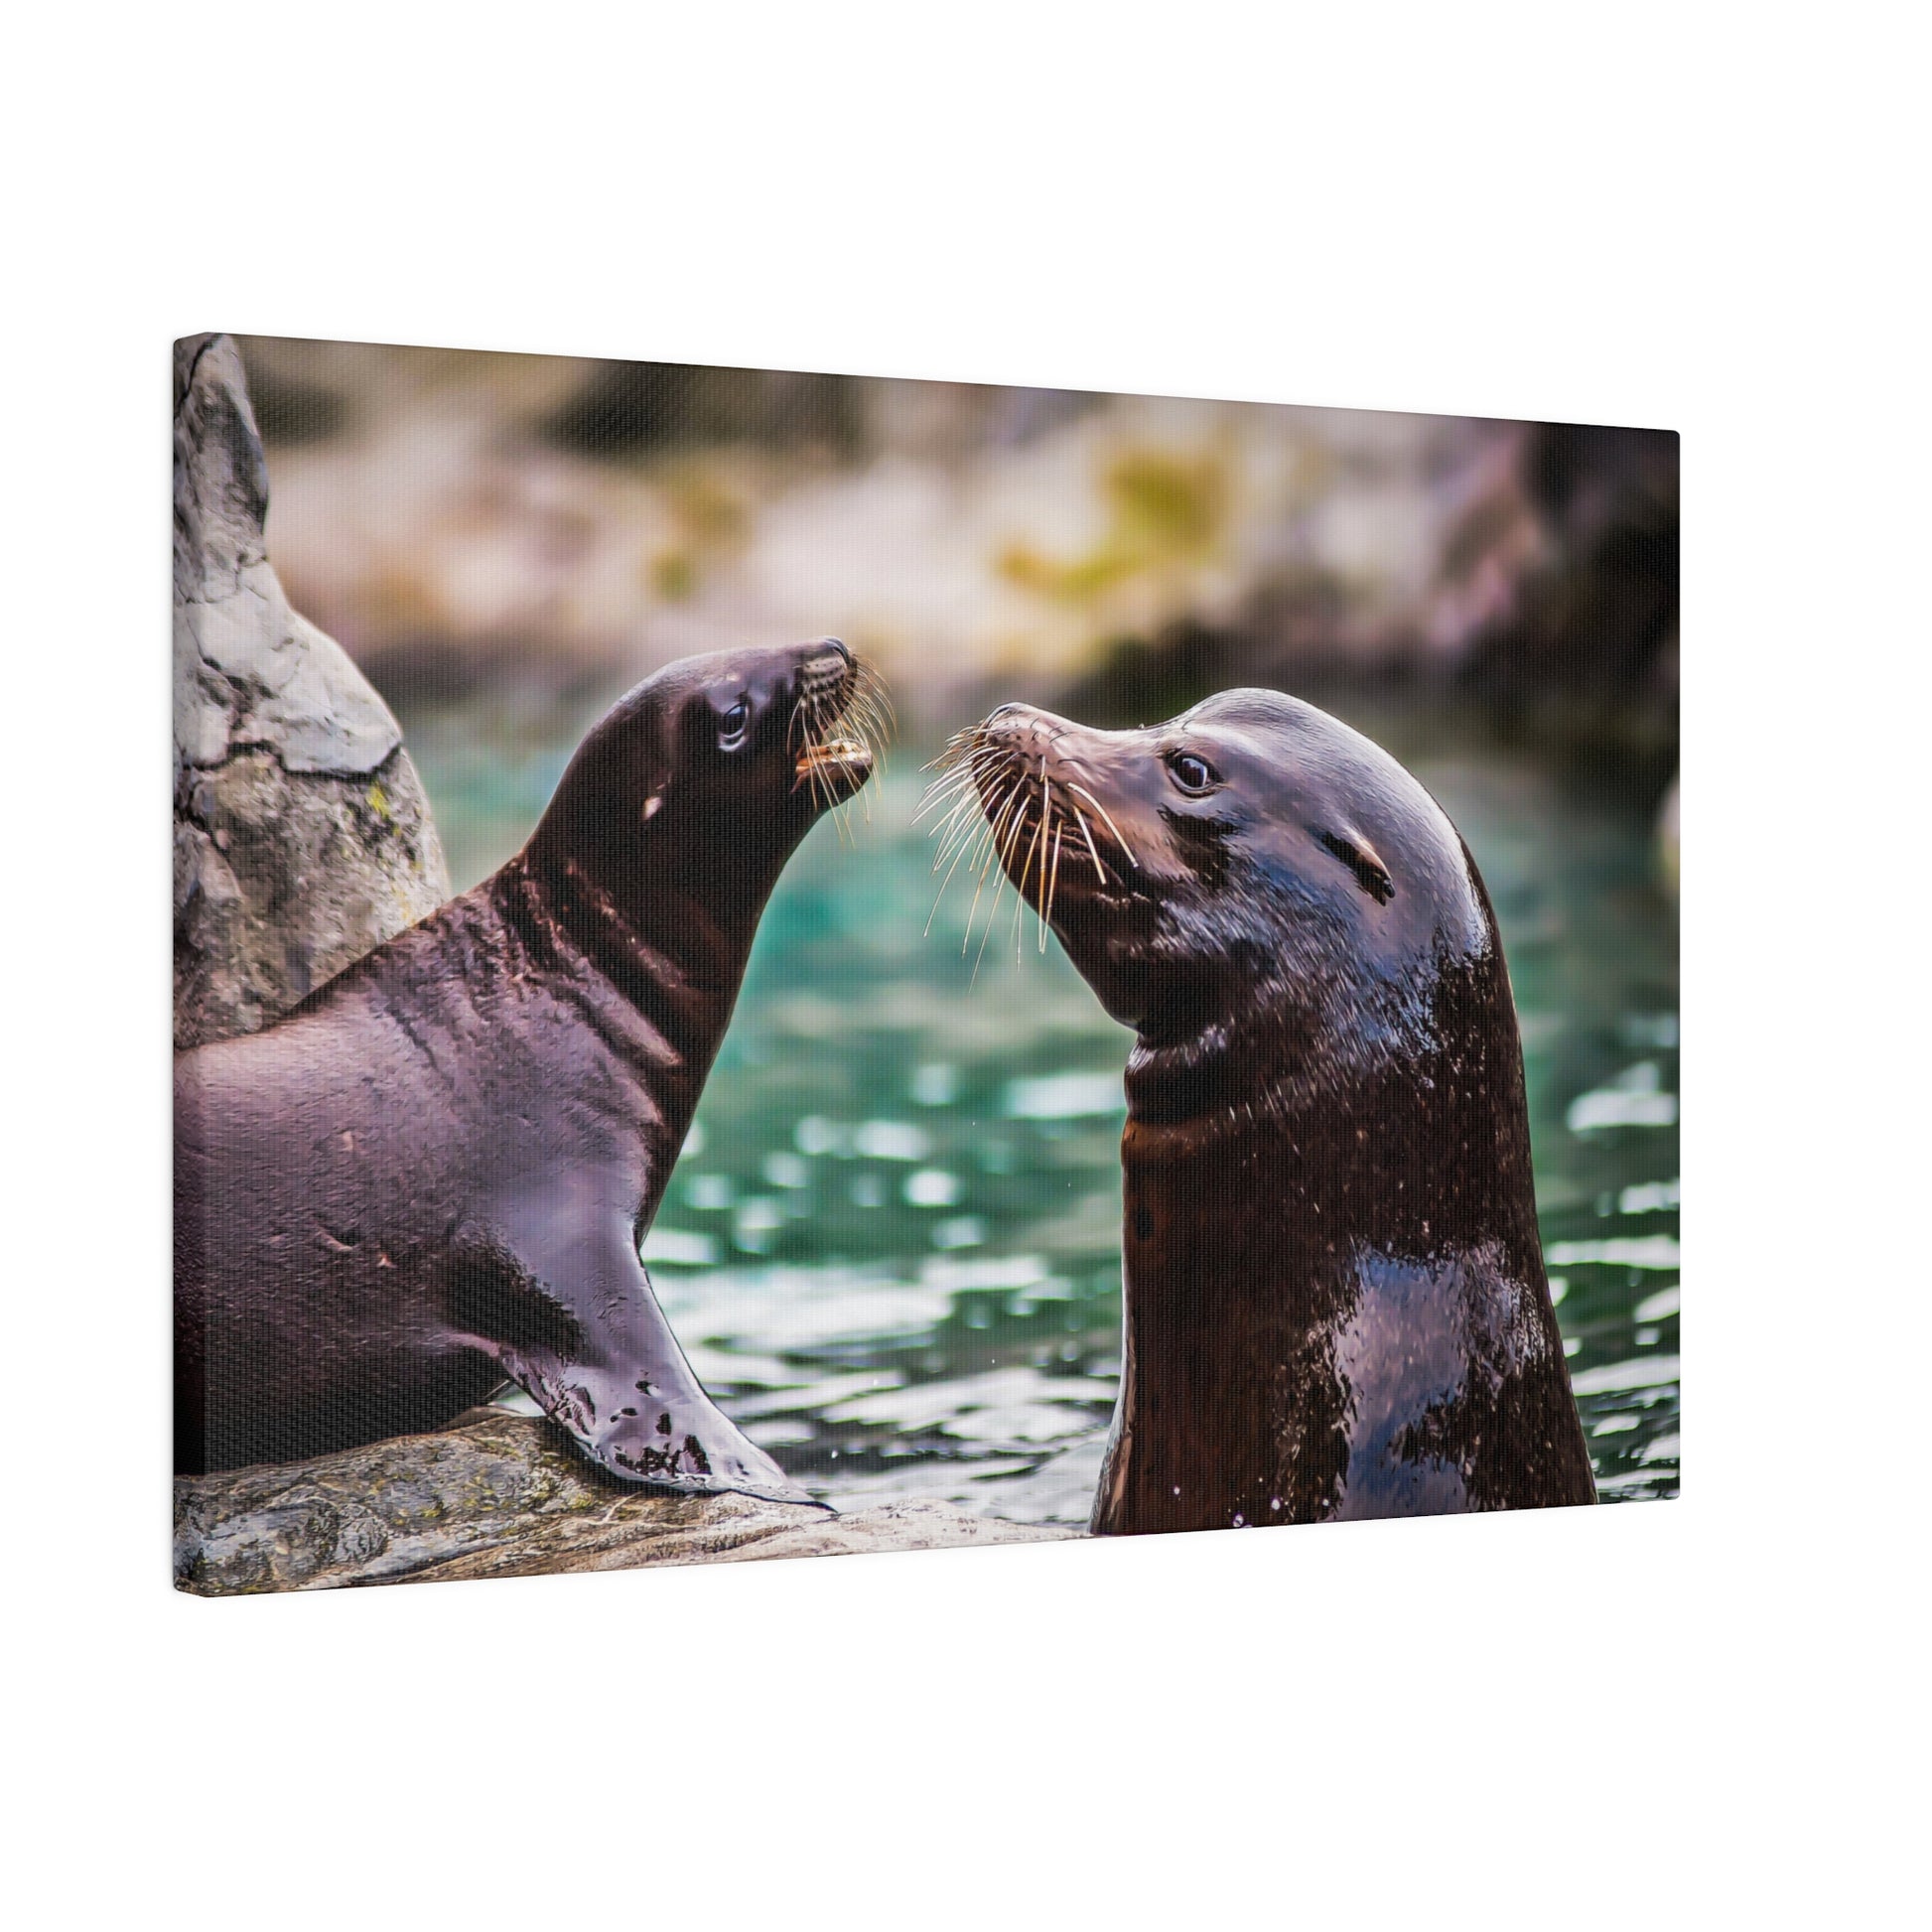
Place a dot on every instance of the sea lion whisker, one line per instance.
(869, 688)
(1009, 837)
(1092, 851)
(999, 853)
(979, 889)
(1008, 798)
(993, 853)
(1045, 820)
(985, 854)
(966, 811)
(821, 741)
(1108, 817)
(950, 834)
(979, 857)
(804, 719)
(957, 746)
(965, 846)
(948, 755)
(972, 912)
(1010, 846)
(959, 834)
(954, 776)
(1027, 872)
(823, 716)
(869, 734)
(869, 723)
(929, 807)
(1053, 885)
(822, 785)
(984, 825)
(973, 981)
(961, 784)
(962, 814)
(954, 785)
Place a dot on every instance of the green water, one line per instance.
(892, 1245)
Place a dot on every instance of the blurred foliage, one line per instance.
(1139, 680)
(1163, 509)
(635, 410)
(486, 523)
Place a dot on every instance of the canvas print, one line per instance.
(775, 964)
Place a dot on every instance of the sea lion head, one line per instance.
(1242, 878)
(713, 768)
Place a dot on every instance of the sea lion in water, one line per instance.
(436, 1171)
(1335, 1297)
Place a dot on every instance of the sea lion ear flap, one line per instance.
(1364, 862)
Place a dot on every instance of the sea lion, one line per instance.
(1334, 1297)
(436, 1171)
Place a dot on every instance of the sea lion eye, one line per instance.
(731, 727)
(1190, 775)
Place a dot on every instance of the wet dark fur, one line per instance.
(1335, 1298)
(436, 1171)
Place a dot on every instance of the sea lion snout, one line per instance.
(1062, 804)
(1026, 732)
(827, 677)
(838, 712)
(834, 664)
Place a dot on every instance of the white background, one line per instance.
(1703, 1712)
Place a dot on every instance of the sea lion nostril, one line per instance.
(826, 673)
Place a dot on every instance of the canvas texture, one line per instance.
(776, 964)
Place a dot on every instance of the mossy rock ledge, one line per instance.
(505, 1496)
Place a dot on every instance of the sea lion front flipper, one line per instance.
(571, 1317)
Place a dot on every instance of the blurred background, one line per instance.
(892, 1246)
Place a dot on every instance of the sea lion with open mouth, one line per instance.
(1334, 1296)
(436, 1171)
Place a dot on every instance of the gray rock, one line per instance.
(504, 1497)
(302, 834)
